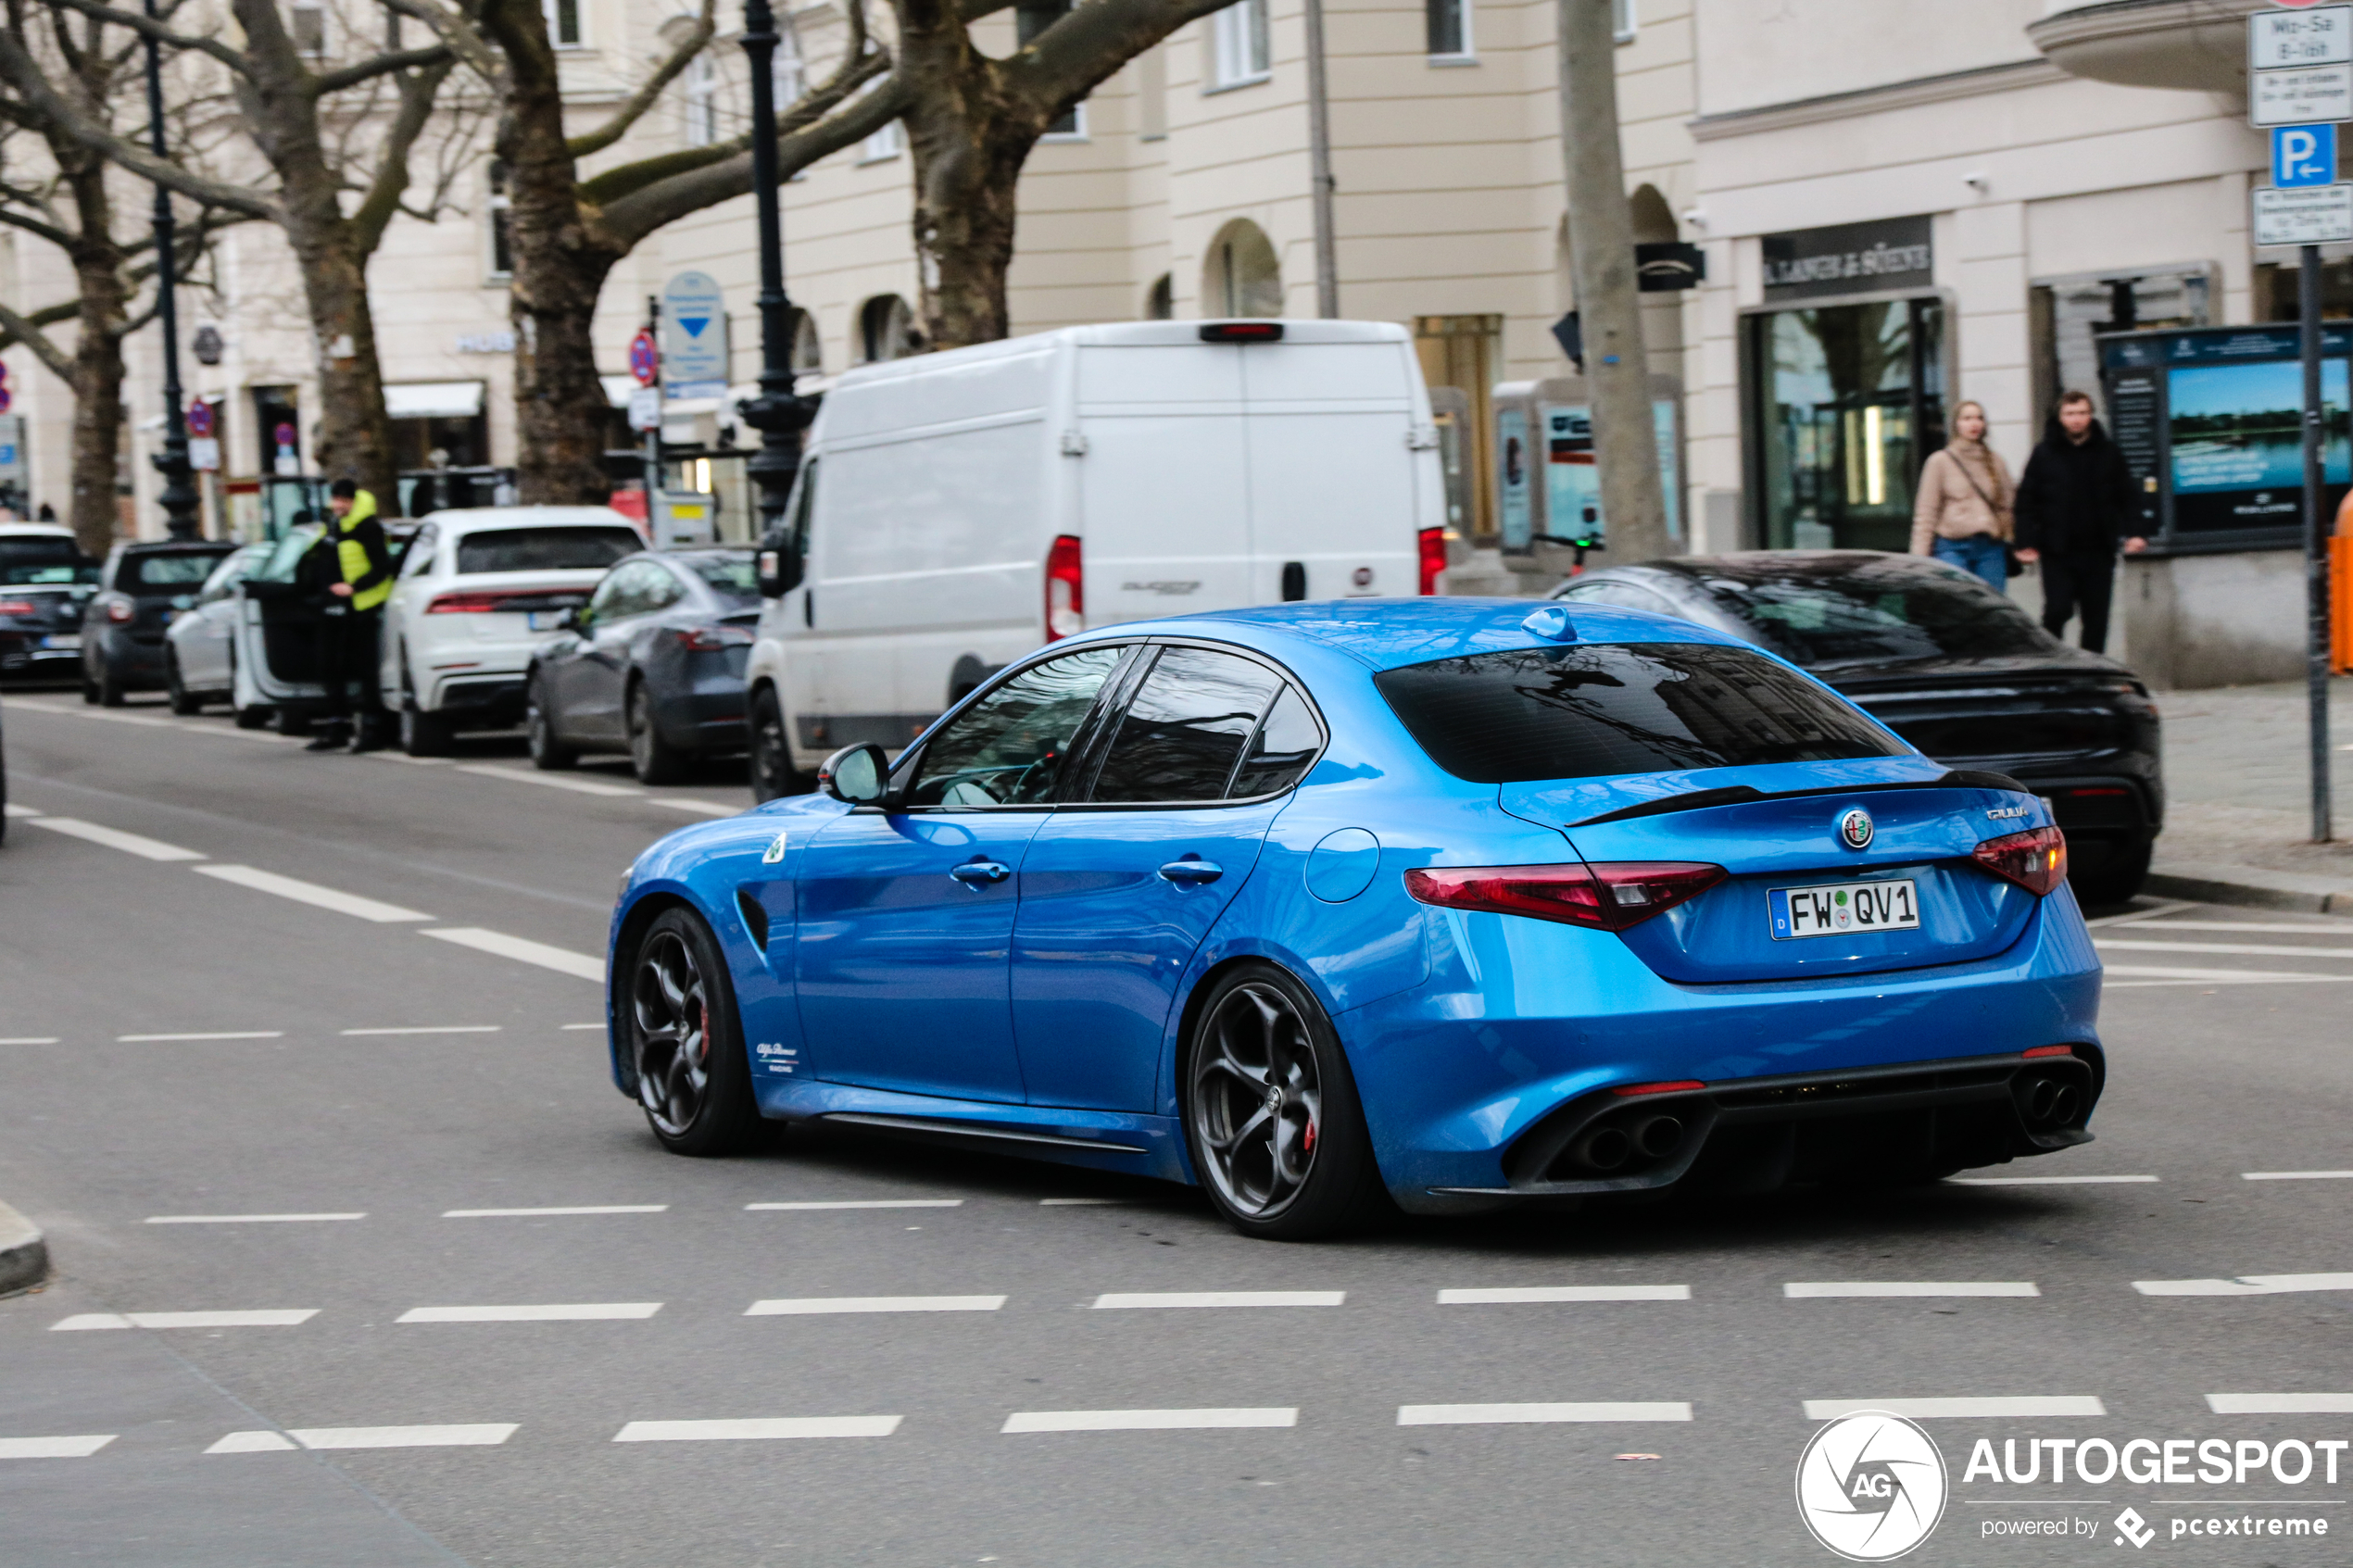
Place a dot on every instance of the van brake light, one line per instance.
(1432, 549)
(1065, 590)
(1241, 332)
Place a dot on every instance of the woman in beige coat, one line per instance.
(1963, 511)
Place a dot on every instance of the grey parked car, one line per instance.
(142, 588)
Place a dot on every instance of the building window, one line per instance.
(808, 348)
(1031, 18)
(885, 329)
(499, 204)
(563, 22)
(703, 100)
(307, 25)
(1160, 300)
(1448, 23)
(888, 142)
(790, 71)
(1243, 277)
(1238, 45)
(1621, 19)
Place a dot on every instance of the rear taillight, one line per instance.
(465, 604)
(1611, 896)
(2036, 859)
(1065, 590)
(1241, 332)
(120, 612)
(713, 639)
(17, 607)
(1432, 549)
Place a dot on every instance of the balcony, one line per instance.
(2195, 45)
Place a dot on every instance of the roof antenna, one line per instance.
(1551, 623)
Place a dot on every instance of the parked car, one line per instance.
(1444, 900)
(44, 582)
(122, 625)
(1955, 668)
(479, 591)
(652, 664)
(199, 652)
(956, 509)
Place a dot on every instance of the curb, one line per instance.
(24, 1254)
(2251, 886)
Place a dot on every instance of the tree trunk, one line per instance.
(97, 351)
(354, 434)
(969, 137)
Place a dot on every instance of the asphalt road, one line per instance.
(414, 1093)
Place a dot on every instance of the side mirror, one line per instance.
(856, 775)
(569, 619)
(779, 566)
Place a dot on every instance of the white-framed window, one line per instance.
(1238, 49)
(888, 142)
(1448, 25)
(789, 69)
(563, 23)
(308, 26)
(1030, 18)
(703, 100)
(1621, 19)
(499, 213)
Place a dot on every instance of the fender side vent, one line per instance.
(755, 917)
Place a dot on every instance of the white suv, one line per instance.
(479, 590)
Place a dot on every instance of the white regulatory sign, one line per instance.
(2319, 36)
(2303, 215)
(2311, 96)
(645, 408)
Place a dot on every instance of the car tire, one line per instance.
(539, 731)
(652, 758)
(1272, 1121)
(770, 763)
(89, 689)
(2116, 881)
(422, 733)
(183, 702)
(289, 721)
(110, 693)
(686, 1041)
(252, 717)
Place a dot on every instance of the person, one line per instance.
(2076, 502)
(359, 577)
(1962, 515)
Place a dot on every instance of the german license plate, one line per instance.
(545, 619)
(65, 640)
(1842, 909)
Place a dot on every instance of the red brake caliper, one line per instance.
(1307, 1144)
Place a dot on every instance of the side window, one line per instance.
(1186, 728)
(1281, 752)
(663, 589)
(1009, 747)
(418, 560)
(612, 599)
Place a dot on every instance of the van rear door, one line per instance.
(1335, 498)
(1164, 490)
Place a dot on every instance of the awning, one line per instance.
(433, 400)
(617, 389)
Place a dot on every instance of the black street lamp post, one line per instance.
(778, 413)
(180, 499)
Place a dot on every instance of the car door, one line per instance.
(591, 692)
(1119, 888)
(907, 911)
(203, 647)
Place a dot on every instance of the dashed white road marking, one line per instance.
(311, 893)
(1071, 1202)
(115, 838)
(426, 1029)
(1813, 1289)
(1118, 1300)
(1509, 1294)
(2040, 1181)
(551, 781)
(497, 942)
(1484, 1415)
(54, 1448)
(571, 1026)
(817, 1305)
(214, 1035)
(2019, 1406)
(2244, 1284)
(2280, 1404)
(759, 1428)
(478, 1435)
(2240, 950)
(2244, 1175)
(266, 1318)
(14, 810)
(864, 1202)
(30, 1040)
(700, 808)
(246, 1219)
(2342, 928)
(557, 1311)
(570, 1209)
(1147, 1421)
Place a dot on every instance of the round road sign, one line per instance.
(199, 418)
(645, 362)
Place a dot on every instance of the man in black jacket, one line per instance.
(2076, 503)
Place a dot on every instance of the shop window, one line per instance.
(1240, 50)
(1463, 353)
(1243, 276)
(2065, 314)
(563, 22)
(703, 100)
(885, 329)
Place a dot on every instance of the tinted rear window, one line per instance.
(1816, 615)
(28, 562)
(179, 573)
(1596, 709)
(581, 548)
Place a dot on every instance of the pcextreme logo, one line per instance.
(1870, 1486)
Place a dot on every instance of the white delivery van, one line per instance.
(956, 509)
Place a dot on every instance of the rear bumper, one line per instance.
(487, 702)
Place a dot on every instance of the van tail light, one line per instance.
(1065, 590)
(2036, 859)
(17, 607)
(1610, 895)
(120, 612)
(466, 604)
(1241, 332)
(713, 639)
(1432, 549)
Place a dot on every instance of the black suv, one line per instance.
(45, 580)
(142, 588)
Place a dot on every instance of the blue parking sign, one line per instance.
(2303, 154)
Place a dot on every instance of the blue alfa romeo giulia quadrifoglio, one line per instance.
(1436, 901)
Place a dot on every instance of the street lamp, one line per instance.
(778, 413)
(179, 499)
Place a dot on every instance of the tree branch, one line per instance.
(48, 232)
(406, 59)
(157, 31)
(383, 200)
(1087, 44)
(455, 29)
(650, 91)
(26, 330)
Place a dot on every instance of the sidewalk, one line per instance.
(2237, 774)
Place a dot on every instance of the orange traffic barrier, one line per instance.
(2341, 603)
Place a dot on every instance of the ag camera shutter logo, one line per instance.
(1871, 1486)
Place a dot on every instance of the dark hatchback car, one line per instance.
(1955, 668)
(142, 587)
(652, 665)
(44, 582)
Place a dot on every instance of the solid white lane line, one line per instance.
(2244, 1175)
(312, 893)
(481, 1434)
(1820, 1288)
(814, 1305)
(700, 808)
(1483, 1415)
(568, 1209)
(31, 1040)
(245, 1219)
(1221, 1299)
(552, 781)
(2280, 1404)
(53, 1447)
(1147, 1421)
(2135, 974)
(2027, 1405)
(759, 1428)
(1506, 1294)
(2246, 950)
(426, 1029)
(571, 1026)
(407, 761)
(1042, 1203)
(266, 1318)
(115, 838)
(2040, 1181)
(864, 1202)
(216, 1034)
(14, 810)
(500, 944)
(2244, 1284)
(2342, 928)
(559, 1311)
(2136, 916)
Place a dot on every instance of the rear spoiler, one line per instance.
(1699, 799)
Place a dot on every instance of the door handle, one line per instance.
(976, 874)
(1192, 872)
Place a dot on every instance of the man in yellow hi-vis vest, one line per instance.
(358, 584)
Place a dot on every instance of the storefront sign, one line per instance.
(1884, 256)
(486, 343)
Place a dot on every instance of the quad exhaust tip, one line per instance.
(1613, 1146)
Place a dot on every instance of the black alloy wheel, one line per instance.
(539, 730)
(772, 774)
(685, 1042)
(1271, 1114)
(652, 758)
(184, 701)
